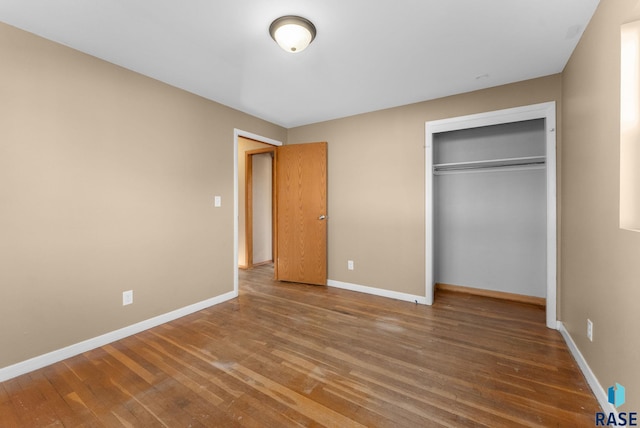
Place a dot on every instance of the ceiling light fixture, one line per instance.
(292, 33)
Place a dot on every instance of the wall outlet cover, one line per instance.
(127, 297)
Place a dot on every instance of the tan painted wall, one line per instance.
(107, 181)
(600, 273)
(244, 145)
(376, 192)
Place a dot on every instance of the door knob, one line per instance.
(322, 217)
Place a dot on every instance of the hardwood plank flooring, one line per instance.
(287, 354)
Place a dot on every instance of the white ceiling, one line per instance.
(368, 55)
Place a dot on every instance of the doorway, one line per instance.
(259, 206)
(300, 210)
(239, 222)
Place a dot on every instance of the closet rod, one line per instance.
(463, 167)
(471, 167)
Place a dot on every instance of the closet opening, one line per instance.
(490, 205)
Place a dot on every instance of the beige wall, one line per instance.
(600, 272)
(376, 182)
(107, 181)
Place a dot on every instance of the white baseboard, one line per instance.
(378, 291)
(44, 360)
(592, 380)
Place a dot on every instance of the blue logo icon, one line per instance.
(616, 395)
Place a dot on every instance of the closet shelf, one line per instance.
(490, 163)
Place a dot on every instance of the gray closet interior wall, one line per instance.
(490, 223)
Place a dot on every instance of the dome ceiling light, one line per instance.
(292, 33)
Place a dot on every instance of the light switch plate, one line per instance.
(217, 201)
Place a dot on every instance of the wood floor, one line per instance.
(298, 355)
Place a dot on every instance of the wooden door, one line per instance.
(301, 232)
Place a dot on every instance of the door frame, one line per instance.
(248, 205)
(236, 134)
(545, 111)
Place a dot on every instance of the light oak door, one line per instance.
(301, 232)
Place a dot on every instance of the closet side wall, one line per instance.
(490, 225)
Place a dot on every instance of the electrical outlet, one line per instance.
(590, 329)
(127, 297)
(350, 264)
